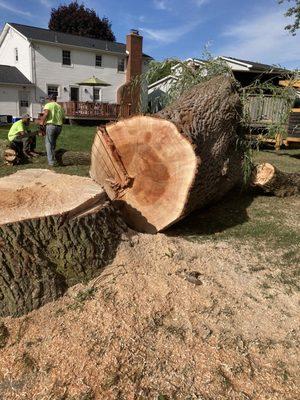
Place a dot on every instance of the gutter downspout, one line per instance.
(33, 73)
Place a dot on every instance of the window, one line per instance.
(121, 64)
(24, 103)
(96, 94)
(52, 89)
(98, 62)
(16, 54)
(24, 99)
(66, 57)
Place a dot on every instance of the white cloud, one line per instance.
(263, 38)
(14, 10)
(47, 3)
(200, 3)
(167, 36)
(160, 4)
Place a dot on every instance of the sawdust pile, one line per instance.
(168, 318)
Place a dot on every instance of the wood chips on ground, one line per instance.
(145, 329)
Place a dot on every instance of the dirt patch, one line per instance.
(168, 319)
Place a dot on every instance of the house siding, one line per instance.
(14, 40)
(41, 63)
(50, 71)
(9, 99)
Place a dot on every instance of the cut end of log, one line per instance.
(147, 167)
(36, 193)
(263, 174)
(150, 166)
(271, 180)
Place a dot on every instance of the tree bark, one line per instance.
(47, 250)
(68, 157)
(271, 180)
(160, 168)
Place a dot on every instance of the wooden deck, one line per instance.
(95, 110)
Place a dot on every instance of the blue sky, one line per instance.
(251, 30)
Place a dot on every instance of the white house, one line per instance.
(35, 62)
(246, 72)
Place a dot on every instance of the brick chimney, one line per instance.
(134, 49)
(126, 93)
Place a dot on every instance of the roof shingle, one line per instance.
(258, 66)
(46, 35)
(9, 74)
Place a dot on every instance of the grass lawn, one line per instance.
(286, 160)
(269, 225)
(80, 138)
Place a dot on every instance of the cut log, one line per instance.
(271, 180)
(7, 155)
(67, 157)
(55, 231)
(160, 168)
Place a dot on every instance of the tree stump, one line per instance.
(55, 231)
(159, 168)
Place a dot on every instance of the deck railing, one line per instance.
(94, 110)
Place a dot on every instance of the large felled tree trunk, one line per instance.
(160, 168)
(68, 157)
(55, 231)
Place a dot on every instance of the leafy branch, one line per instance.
(293, 11)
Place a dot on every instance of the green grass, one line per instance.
(76, 138)
(269, 225)
(286, 160)
(246, 216)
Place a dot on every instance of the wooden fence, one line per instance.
(263, 110)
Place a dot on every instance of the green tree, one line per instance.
(77, 19)
(160, 69)
(293, 11)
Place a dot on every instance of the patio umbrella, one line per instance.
(93, 82)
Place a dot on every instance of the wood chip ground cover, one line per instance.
(142, 329)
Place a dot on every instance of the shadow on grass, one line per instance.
(288, 154)
(227, 213)
(297, 156)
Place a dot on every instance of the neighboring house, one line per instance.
(246, 72)
(36, 62)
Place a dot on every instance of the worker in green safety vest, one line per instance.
(22, 140)
(53, 117)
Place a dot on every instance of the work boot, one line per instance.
(52, 166)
